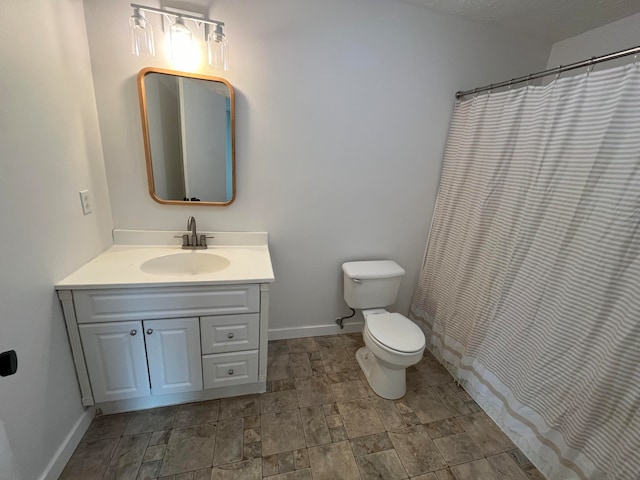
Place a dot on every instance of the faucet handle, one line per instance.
(185, 239)
(203, 239)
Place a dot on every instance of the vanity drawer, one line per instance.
(224, 369)
(229, 333)
(122, 304)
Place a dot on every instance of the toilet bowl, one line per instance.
(392, 343)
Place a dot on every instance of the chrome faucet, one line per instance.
(193, 241)
(191, 225)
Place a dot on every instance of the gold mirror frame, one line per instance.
(147, 140)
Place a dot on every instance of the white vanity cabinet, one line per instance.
(144, 347)
(135, 359)
(116, 360)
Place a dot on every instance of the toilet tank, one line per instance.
(371, 284)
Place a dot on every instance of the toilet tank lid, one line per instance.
(372, 269)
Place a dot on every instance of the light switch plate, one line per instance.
(85, 199)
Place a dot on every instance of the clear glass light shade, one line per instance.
(180, 40)
(218, 48)
(141, 35)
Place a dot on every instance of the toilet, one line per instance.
(392, 341)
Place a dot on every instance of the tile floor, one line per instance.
(319, 420)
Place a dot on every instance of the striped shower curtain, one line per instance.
(530, 290)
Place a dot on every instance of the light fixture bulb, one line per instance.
(180, 40)
(218, 49)
(141, 35)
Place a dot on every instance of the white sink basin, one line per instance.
(185, 263)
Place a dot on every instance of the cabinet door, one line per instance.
(173, 355)
(116, 360)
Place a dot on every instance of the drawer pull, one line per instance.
(133, 332)
(231, 371)
(230, 335)
(149, 331)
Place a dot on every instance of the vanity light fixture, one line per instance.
(180, 34)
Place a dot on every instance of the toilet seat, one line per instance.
(395, 332)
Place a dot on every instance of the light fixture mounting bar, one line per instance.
(207, 21)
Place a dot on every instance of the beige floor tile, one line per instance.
(278, 347)
(476, 470)
(371, 444)
(427, 407)
(333, 461)
(107, 426)
(301, 458)
(351, 390)
(151, 420)
(416, 450)
(426, 476)
(338, 434)
(277, 402)
(297, 345)
(149, 470)
(458, 448)
(505, 467)
(300, 365)
(445, 474)
(160, 438)
(90, 460)
(252, 450)
(385, 464)
(282, 432)
(316, 430)
(278, 367)
(443, 428)
(297, 475)
(486, 434)
(252, 435)
(189, 448)
(360, 418)
(197, 413)
(269, 465)
(285, 462)
(154, 453)
(313, 391)
(229, 441)
(389, 414)
(451, 400)
(245, 406)
(246, 470)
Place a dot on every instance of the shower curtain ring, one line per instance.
(529, 79)
(591, 65)
(559, 69)
(511, 83)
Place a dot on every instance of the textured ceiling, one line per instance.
(551, 20)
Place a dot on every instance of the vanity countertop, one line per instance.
(120, 265)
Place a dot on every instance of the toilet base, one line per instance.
(387, 382)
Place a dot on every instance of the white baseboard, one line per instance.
(68, 446)
(314, 331)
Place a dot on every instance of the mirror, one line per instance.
(189, 137)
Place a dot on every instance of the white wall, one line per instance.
(615, 36)
(342, 113)
(49, 150)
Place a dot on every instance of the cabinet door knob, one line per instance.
(230, 335)
(133, 332)
(149, 331)
(231, 371)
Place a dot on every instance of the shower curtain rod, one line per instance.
(551, 71)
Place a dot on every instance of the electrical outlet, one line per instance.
(85, 199)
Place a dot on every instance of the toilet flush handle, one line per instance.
(357, 280)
